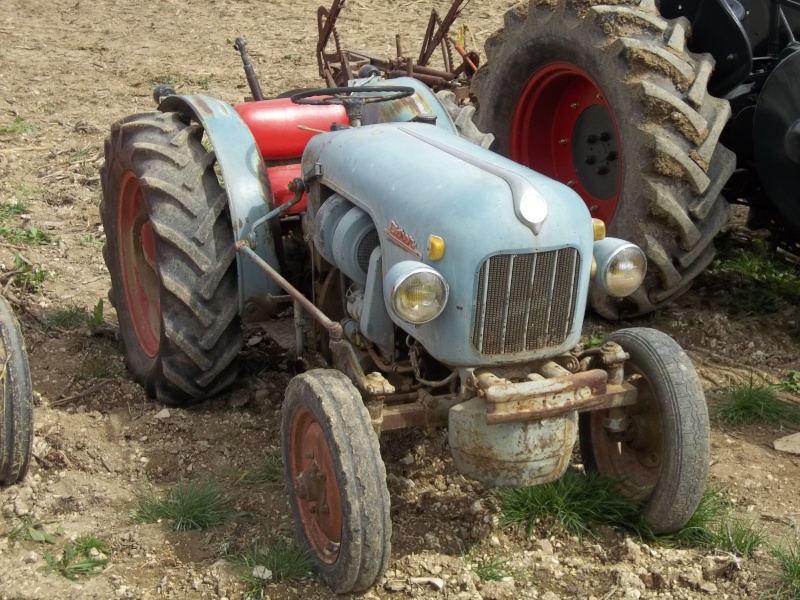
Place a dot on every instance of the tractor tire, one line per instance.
(336, 480)
(170, 251)
(16, 418)
(606, 98)
(662, 458)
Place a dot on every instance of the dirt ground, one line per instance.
(68, 70)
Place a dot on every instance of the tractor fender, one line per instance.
(249, 195)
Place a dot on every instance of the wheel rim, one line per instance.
(563, 128)
(139, 264)
(313, 475)
(634, 457)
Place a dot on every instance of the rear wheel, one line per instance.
(659, 447)
(16, 419)
(336, 480)
(170, 253)
(606, 99)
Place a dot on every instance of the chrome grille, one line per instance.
(525, 302)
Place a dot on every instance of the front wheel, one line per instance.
(336, 480)
(659, 447)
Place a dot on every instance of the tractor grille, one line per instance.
(367, 244)
(525, 302)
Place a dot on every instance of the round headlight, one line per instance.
(625, 271)
(418, 293)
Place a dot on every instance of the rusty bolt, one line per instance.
(324, 510)
(310, 455)
(574, 105)
(312, 510)
(571, 183)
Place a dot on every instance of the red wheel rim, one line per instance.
(633, 458)
(139, 265)
(563, 128)
(313, 475)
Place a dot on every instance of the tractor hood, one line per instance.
(418, 184)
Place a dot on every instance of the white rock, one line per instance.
(31, 557)
(436, 583)
(262, 572)
(789, 443)
(162, 414)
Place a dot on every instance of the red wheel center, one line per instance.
(313, 475)
(139, 264)
(563, 128)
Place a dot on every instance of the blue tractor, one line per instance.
(445, 285)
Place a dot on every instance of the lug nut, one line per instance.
(592, 139)
(613, 155)
(605, 136)
(602, 170)
(590, 160)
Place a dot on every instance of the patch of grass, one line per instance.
(752, 279)
(750, 401)
(792, 383)
(282, 557)
(28, 192)
(94, 368)
(68, 318)
(78, 156)
(85, 544)
(491, 569)
(30, 234)
(7, 211)
(167, 78)
(788, 584)
(18, 126)
(27, 530)
(90, 240)
(740, 537)
(711, 526)
(268, 472)
(72, 563)
(188, 505)
(27, 275)
(573, 503)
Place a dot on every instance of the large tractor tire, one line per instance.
(16, 416)
(606, 98)
(171, 255)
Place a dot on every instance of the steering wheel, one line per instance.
(345, 95)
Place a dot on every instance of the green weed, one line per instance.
(86, 543)
(78, 156)
(788, 578)
(30, 234)
(28, 275)
(28, 530)
(192, 505)
(68, 318)
(7, 211)
(491, 569)
(73, 563)
(282, 557)
(95, 367)
(792, 383)
(750, 401)
(711, 526)
(18, 126)
(90, 240)
(97, 314)
(573, 503)
(752, 279)
(268, 472)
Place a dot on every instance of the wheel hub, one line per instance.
(313, 475)
(563, 127)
